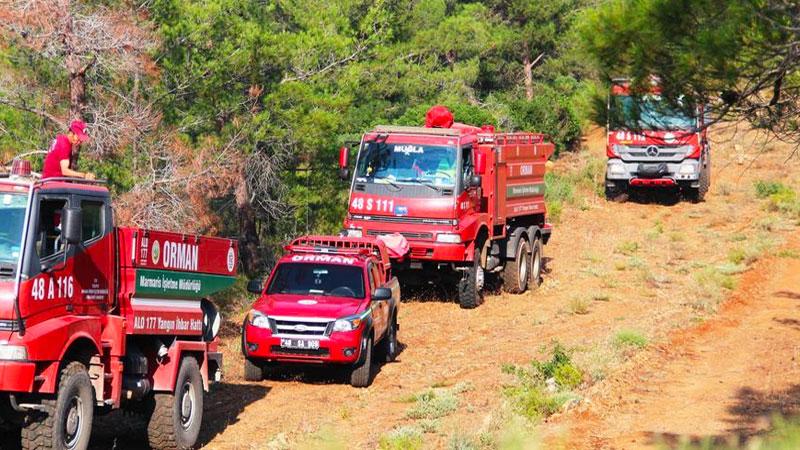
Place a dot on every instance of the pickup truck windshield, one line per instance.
(648, 113)
(407, 164)
(318, 279)
(12, 219)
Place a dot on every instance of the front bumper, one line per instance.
(337, 348)
(17, 376)
(686, 171)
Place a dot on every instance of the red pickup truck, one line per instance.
(329, 300)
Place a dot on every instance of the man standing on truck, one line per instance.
(58, 159)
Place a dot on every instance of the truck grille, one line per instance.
(302, 326)
(654, 153)
(322, 352)
(406, 234)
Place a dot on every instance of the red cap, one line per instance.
(439, 117)
(79, 128)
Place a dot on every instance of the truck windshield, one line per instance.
(318, 279)
(648, 113)
(12, 219)
(407, 163)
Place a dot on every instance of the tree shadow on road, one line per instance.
(222, 406)
(659, 196)
(753, 415)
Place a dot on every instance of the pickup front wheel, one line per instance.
(252, 371)
(361, 376)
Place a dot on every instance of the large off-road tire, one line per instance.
(66, 421)
(537, 264)
(389, 346)
(617, 193)
(698, 194)
(252, 371)
(361, 375)
(177, 416)
(470, 287)
(517, 271)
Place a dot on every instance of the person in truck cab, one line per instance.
(59, 157)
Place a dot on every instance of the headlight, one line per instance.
(449, 238)
(258, 319)
(353, 232)
(616, 168)
(350, 323)
(13, 352)
(688, 169)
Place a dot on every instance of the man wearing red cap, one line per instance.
(57, 161)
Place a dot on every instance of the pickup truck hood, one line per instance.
(308, 306)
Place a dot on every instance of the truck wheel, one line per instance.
(698, 194)
(176, 419)
(252, 371)
(361, 376)
(389, 343)
(66, 422)
(517, 271)
(536, 264)
(470, 287)
(617, 193)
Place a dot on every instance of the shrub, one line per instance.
(578, 306)
(765, 189)
(629, 338)
(433, 404)
(628, 247)
(401, 438)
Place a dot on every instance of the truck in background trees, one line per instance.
(468, 200)
(651, 143)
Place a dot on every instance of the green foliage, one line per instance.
(531, 396)
(433, 404)
(629, 338)
(765, 189)
(401, 438)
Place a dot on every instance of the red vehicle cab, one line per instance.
(329, 300)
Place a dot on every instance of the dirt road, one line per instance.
(657, 269)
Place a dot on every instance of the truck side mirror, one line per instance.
(344, 155)
(71, 225)
(480, 163)
(255, 286)
(382, 294)
(475, 181)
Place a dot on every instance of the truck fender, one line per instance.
(513, 241)
(165, 374)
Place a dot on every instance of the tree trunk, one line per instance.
(249, 253)
(527, 67)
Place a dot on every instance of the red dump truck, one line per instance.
(95, 317)
(654, 145)
(468, 200)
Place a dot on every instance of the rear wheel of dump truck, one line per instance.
(361, 375)
(516, 273)
(252, 371)
(66, 422)
(470, 287)
(536, 264)
(176, 419)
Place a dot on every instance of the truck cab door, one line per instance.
(94, 259)
(380, 309)
(470, 196)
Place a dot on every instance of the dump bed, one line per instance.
(164, 276)
(515, 169)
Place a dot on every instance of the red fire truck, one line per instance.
(329, 300)
(468, 200)
(653, 144)
(94, 317)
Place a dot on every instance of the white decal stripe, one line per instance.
(165, 303)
